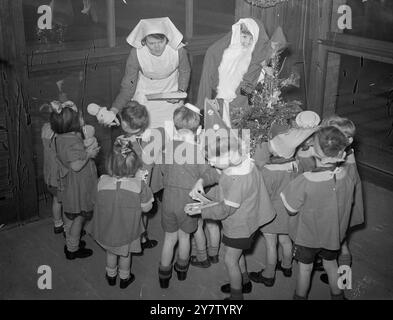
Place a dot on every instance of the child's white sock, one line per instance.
(111, 272)
(124, 274)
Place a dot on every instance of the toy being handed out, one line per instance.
(90, 141)
(103, 115)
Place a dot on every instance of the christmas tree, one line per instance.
(266, 103)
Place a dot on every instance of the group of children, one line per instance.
(301, 190)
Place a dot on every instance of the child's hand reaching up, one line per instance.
(92, 152)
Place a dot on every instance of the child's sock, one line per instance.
(201, 254)
(296, 297)
(111, 272)
(245, 278)
(124, 274)
(270, 271)
(58, 223)
(165, 272)
(339, 296)
(213, 251)
(236, 294)
(345, 260)
(181, 265)
(286, 262)
(72, 243)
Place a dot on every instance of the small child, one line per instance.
(357, 217)
(78, 176)
(51, 175)
(280, 169)
(244, 206)
(135, 121)
(121, 199)
(178, 179)
(320, 205)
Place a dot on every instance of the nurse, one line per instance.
(157, 63)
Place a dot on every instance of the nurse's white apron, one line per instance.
(159, 74)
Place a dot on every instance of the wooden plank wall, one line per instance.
(18, 198)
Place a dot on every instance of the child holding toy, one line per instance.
(78, 175)
(281, 168)
(320, 203)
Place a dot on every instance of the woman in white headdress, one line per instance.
(157, 63)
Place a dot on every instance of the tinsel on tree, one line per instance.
(266, 103)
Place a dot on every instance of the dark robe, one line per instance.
(209, 78)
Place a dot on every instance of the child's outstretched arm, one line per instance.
(293, 195)
(78, 165)
(219, 212)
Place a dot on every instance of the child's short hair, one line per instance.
(344, 124)
(67, 120)
(331, 140)
(222, 146)
(136, 116)
(185, 118)
(123, 161)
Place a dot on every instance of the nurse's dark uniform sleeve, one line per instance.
(294, 194)
(129, 82)
(184, 70)
(146, 195)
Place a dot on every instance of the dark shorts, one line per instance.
(172, 222)
(307, 255)
(86, 214)
(52, 190)
(239, 243)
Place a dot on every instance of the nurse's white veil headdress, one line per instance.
(156, 25)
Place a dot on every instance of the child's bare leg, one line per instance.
(168, 247)
(331, 269)
(303, 279)
(56, 212)
(214, 236)
(286, 245)
(345, 257)
(232, 257)
(111, 264)
(243, 270)
(200, 241)
(271, 255)
(181, 265)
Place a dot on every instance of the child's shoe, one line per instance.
(247, 287)
(259, 278)
(111, 280)
(149, 244)
(81, 253)
(200, 264)
(286, 271)
(324, 278)
(124, 283)
(214, 259)
(181, 271)
(58, 230)
(164, 275)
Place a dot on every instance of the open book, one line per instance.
(167, 95)
(203, 203)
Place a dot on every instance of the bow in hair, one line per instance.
(58, 106)
(125, 147)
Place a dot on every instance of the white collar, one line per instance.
(241, 170)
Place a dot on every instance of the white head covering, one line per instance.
(251, 25)
(155, 25)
